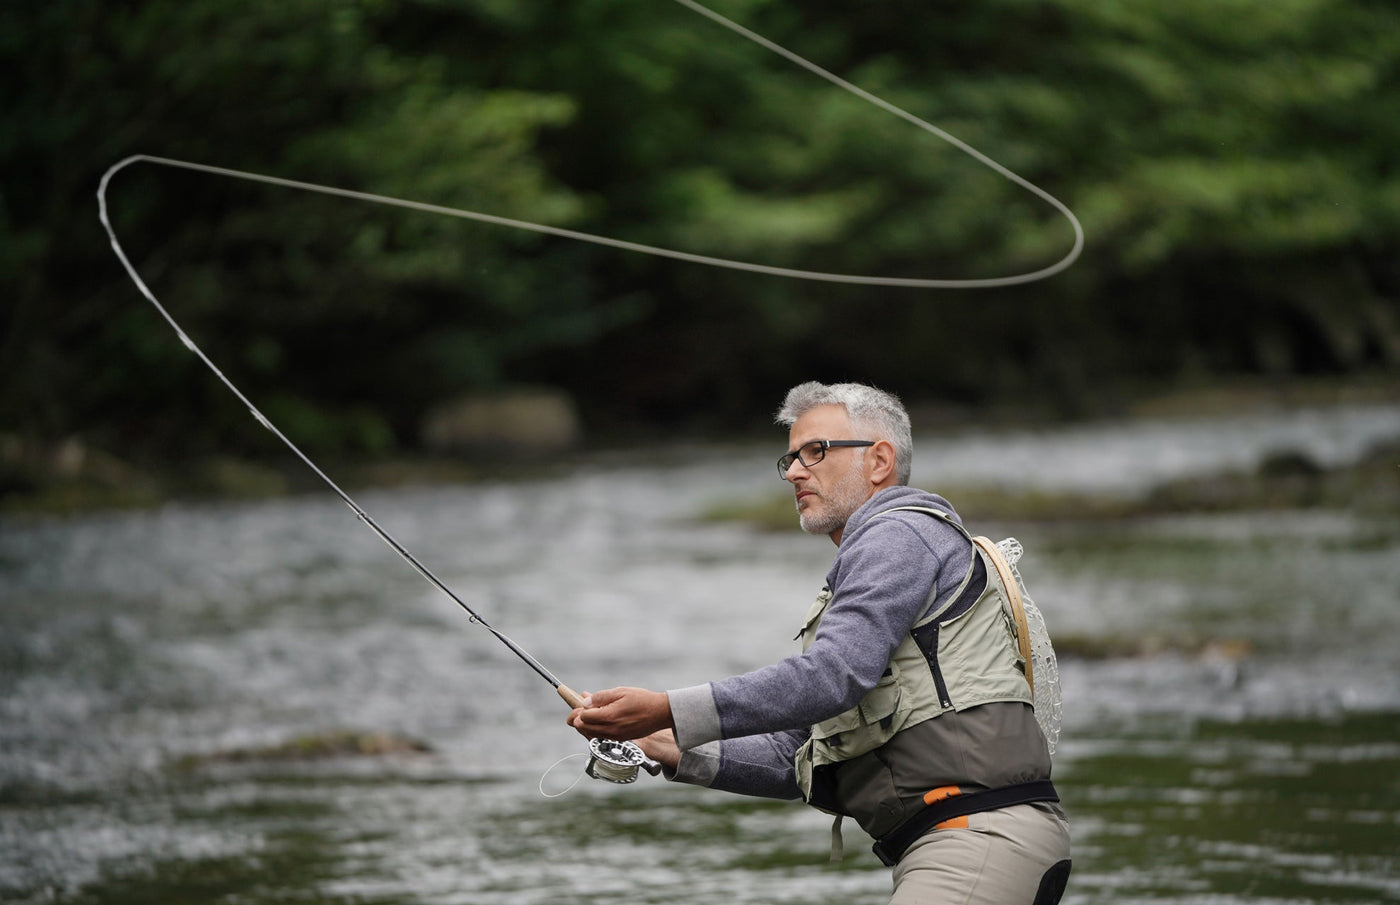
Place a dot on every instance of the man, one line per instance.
(908, 708)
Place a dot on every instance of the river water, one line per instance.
(1235, 740)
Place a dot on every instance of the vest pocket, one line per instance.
(880, 704)
(864, 727)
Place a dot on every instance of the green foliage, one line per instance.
(1232, 163)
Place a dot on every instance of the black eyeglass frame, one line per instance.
(785, 461)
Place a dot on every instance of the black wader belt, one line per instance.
(891, 847)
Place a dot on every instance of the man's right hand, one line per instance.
(623, 714)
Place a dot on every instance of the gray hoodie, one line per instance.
(739, 734)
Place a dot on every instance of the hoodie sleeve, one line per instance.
(758, 765)
(880, 582)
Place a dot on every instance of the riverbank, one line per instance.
(71, 475)
(1283, 480)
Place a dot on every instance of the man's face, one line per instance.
(830, 491)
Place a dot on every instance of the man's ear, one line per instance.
(882, 463)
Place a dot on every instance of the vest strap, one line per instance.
(892, 846)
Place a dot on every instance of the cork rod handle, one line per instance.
(571, 697)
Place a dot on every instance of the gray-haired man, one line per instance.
(908, 708)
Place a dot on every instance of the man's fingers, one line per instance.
(603, 698)
(589, 721)
(622, 713)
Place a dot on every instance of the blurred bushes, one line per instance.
(1232, 162)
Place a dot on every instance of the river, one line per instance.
(1235, 740)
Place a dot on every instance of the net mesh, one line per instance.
(1044, 667)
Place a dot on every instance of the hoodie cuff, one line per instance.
(695, 716)
(697, 766)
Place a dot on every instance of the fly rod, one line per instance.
(573, 698)
(611, 761)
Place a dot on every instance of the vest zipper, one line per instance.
(926, 637)
(938, 683)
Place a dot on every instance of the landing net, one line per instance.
(1043, 665)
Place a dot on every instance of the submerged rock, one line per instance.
(317, 746)
(529, 422)
(1147, 646)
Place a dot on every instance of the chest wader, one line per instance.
(972, 650)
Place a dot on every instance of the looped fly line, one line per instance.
(708, 260)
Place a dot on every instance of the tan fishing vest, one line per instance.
(972, 657)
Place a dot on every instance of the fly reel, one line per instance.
(617, 761)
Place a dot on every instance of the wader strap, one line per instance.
(891, 847)
(973, 573)
(838, 845)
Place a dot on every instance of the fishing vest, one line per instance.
(967, 652)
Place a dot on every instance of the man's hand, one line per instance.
(661, 747)
(621, 714)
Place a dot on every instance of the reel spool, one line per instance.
(617, 761)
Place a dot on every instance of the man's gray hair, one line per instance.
(871, 411)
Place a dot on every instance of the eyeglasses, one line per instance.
(810, 454)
